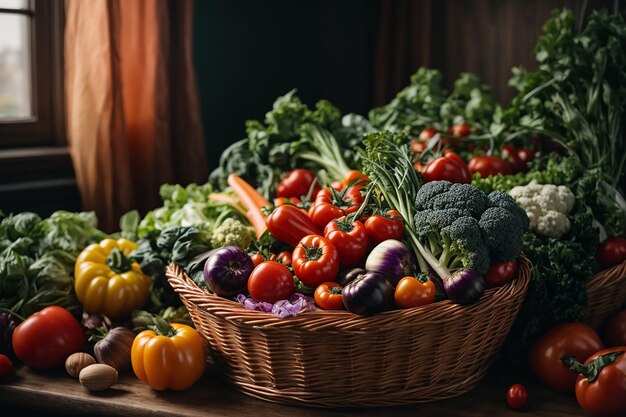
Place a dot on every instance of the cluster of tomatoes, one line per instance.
(450, 166)
(572, 357)
(328, 237)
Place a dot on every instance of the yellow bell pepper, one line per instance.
(169, 356)
(107, 282)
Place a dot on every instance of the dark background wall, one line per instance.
(247, 53)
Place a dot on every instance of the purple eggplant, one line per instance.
(227, 270)
(392, 258)
(348, 275)
(369, 293)
(464, 286)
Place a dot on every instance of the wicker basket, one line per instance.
(335, 358)
(606, 293)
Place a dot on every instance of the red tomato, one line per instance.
(501, 273)
(516, 396)
(518, 157)
(566, 339)
(6, 366)
(354, 196)
(296, 184)
(450, 168)
(257, 258)
(426, 134)
(289, 224)
(284, 258)
(383, 226)
(615, 330)
(328, 296)
(315, 260)
(329, 205)
(411, 292)
(487, 165)
(419, 167)
(45, 339)
(270, 282)
(601, 384)
(350, 240)
(417, 146)
(611, 252)
(461, 129)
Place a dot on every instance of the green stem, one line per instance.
(592, 370)
(118, 262)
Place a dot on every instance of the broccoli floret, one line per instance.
(232, 232)
(463, 197)
(502, 233)
(429, 223)
(500, 199)
(425, 195)
(464, 246)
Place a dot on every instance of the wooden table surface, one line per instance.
(54, 391)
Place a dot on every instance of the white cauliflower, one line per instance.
(547, 206)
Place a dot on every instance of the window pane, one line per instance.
(15, 79)
(13, 4)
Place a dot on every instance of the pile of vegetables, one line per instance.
(432, 197)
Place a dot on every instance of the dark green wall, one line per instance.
(247, 53)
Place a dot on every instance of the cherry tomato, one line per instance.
(289, 224)
(565, 339)
(350, 240)
(270, 281)
(518, 157)
(419, 166)
(328, 296)
(6, 366)
(449, 167)
(296, 184)
(411, 292)
(501, 273)
(461, 129)
(615, 330)
(487, 165)
(426, 134)
(516, 396)
(45, 339)
(315, 260)
(612, 252)
(383, 226)
(283, 257)
(418, 146)
(257, 258)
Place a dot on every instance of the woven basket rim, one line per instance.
(340, 320)
(607, 274)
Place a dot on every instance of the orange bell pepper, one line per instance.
(168, 357)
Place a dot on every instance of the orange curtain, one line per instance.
(132, 104)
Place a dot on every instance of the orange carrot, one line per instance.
(250, 198)
(257, 220)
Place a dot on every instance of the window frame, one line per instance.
(46, 127)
